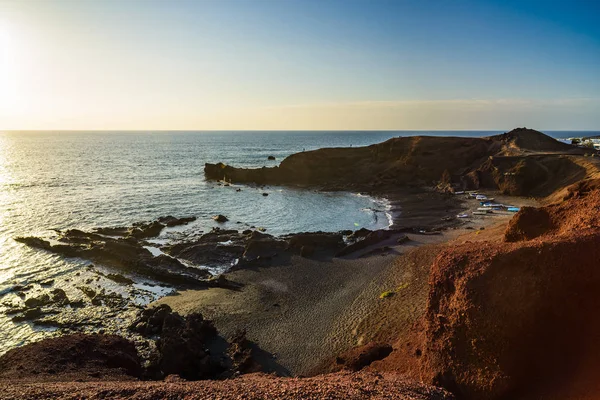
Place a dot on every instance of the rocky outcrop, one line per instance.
(141, 230)
(529, 223)
(400, 160)
(241, 351)
(532, 175)
(128, 253)
(505, 319)
(184, 346)
(309, 244)
(182, 343)
(171, 221)
(372, 238)
(253, 248)
(217, 248)
(220, 218)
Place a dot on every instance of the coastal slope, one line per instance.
(518, 163)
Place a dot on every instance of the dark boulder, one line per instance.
(118, 231)
(183, 343)
(220, 218)
(150, 320)
(146, 230)
(59, 297)
(171, 221)
(40, 301)
(241, 354)
(183, 347)
(371, 239)
(271, 158)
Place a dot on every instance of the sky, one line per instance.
(299, 64)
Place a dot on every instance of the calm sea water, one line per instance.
(60, 180)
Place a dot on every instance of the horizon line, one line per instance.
(291, 130)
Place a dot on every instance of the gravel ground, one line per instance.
(346, 386)
(293, 311)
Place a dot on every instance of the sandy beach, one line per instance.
(306, 312)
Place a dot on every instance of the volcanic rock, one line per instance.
(40, 301)
(220, 218)
(370, 239)
(183, 343)
(171, 221)
(72, 357)
(126, 253)
(146, 230)
(508, 317)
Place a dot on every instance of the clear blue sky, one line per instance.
(310, 64)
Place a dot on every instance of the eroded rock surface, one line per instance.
(509, 318)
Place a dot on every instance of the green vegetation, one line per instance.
(389, 293)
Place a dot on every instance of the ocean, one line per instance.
(61, 180)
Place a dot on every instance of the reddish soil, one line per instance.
(577, 215)
(72, 358)
(518, 319)
(340, 386)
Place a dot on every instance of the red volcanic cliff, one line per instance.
(519, 317)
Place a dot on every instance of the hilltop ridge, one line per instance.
(459, 163)
(523, 139)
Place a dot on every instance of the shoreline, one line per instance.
(395, 300)
(295, 311)
(52, 320)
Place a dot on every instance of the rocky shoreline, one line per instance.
(333, 286)
(181, 265)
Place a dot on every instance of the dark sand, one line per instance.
(311, 310)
